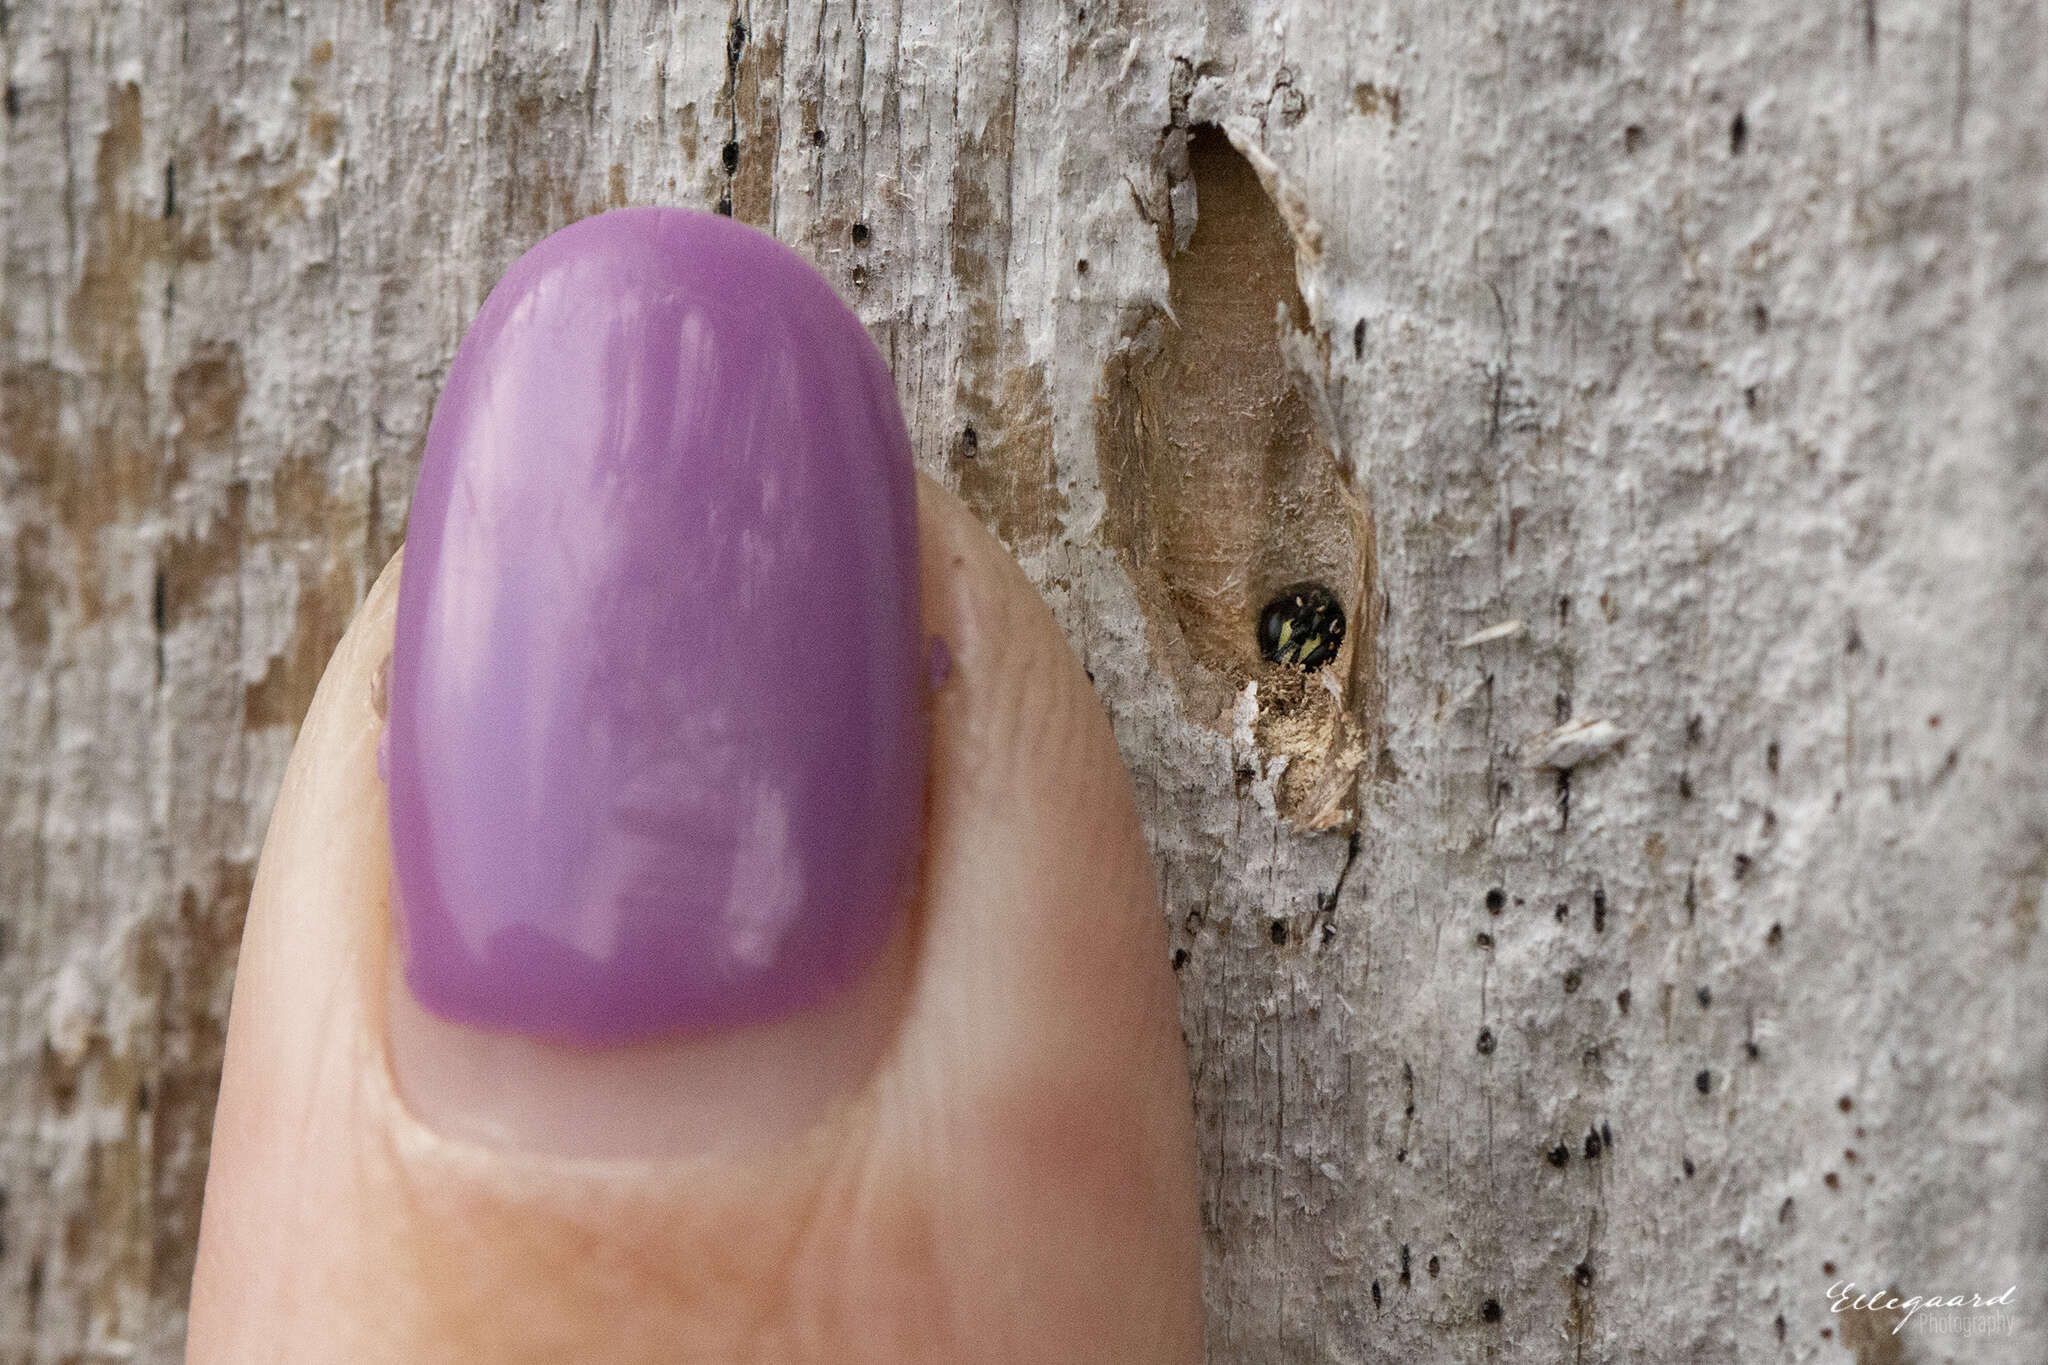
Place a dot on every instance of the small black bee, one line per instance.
(1303, 625)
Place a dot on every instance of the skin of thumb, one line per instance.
(1014, 1181)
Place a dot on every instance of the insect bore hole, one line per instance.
(1302, 626)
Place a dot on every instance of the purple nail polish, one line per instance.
(657, 747)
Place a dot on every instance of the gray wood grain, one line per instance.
(1707, 340)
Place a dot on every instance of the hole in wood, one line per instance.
(1225, 485)
(1303, 625)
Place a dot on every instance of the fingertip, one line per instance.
(292, 1107)
(1025, 763)
(1045, 1023)
(1033, 1097)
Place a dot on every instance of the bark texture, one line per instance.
(1674, 372)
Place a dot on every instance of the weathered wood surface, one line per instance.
(1708, 340)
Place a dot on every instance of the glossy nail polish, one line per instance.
(657, 749)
